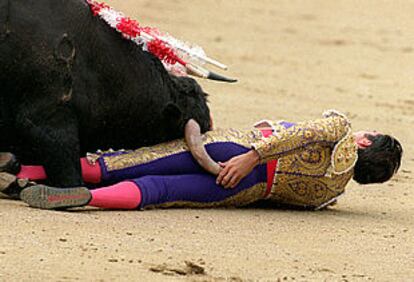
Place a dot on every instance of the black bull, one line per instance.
(70, 84)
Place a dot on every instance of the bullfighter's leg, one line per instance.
(170, 158)
(189, 190)
(174, 158)
(91, 173)
(56, 145)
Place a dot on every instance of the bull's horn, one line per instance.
(219, 77)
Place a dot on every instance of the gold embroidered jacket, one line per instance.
(315, 160)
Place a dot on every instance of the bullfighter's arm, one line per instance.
(330, 129)
(197, 149)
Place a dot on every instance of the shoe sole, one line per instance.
(44, 197)
(8, 163)
(5, 160)
(6, 180)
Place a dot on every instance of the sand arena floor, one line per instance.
(294, 59)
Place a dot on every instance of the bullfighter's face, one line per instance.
(362, 138)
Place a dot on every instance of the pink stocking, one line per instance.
(90, 173)
(124, 195)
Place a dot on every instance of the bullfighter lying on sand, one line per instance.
(307, 164)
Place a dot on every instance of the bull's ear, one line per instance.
(172, 112)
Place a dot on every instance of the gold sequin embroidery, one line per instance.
(345, 155)
(312, 160)
(328, 130)
(308, 191)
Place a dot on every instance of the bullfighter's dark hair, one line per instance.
(378, 162)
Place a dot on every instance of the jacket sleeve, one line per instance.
(330, 129)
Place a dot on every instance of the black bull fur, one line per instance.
(70, 84)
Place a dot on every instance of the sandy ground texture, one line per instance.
(294, 59)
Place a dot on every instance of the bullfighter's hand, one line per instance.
(235, 169)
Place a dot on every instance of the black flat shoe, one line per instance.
(11, 186)
(45, 197)
(9, 163)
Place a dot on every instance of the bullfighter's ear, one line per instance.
(172, 111)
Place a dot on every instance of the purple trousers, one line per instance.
(178, 181)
